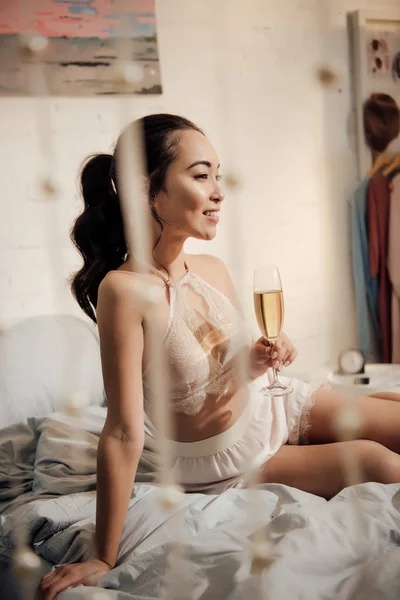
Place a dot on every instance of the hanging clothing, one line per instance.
(378, 225)
(366, 286)
(394, 265)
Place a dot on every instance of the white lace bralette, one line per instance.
(204, 335)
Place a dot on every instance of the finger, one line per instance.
(276, 351)
(278, 360)
(277, 365)
(287, 355)
(48, 591)
(283, 350)
(280, 346)
(291, 358)
(261, 351)
(46, 578)
(53, 571)
(46, 583)
(263, 355)
(62, 584)
(262, 340)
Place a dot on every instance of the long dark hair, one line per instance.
(98, 232)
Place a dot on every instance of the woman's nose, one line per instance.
(217, 195)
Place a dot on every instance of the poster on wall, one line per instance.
(86, 41)
(383, 56)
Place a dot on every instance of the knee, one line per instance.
(377, 462)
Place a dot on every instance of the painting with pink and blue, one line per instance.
(86, 38)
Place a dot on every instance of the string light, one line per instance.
(76, 404)
(263, 556)
(347, 424)
(128, 73)
(32, 45)
(170, 496)
(26, 563)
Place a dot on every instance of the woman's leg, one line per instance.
(380, 418)
(319, 469)
(386, 396)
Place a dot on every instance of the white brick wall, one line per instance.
(284, 136)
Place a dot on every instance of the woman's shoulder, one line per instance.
(117, 280)
(121, 288)
(206, 261)
(213, 271)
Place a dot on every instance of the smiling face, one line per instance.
(190, 202)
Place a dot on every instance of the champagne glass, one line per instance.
(268, 304)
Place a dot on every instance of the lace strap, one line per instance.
(165, 278)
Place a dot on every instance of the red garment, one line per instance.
(378, 226)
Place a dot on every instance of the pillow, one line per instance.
(45, 359)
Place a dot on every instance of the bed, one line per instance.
(347, 548)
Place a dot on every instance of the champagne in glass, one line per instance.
(269, 313)
(268, 304)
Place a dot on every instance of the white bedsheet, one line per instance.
(323, 552)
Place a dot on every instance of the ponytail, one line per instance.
(98, 233)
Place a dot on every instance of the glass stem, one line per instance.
(275, 381)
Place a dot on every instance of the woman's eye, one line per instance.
(205, 176)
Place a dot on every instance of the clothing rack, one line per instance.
(375, 220)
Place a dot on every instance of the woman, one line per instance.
(221, 428)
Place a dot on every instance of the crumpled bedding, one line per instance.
(347, 548)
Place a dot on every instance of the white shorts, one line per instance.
(228, 459)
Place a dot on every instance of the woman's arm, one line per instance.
(121, 441)
(122, 438)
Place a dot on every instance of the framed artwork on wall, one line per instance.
(85, 42)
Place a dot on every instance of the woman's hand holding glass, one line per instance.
(264, 355)
(269, 308)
